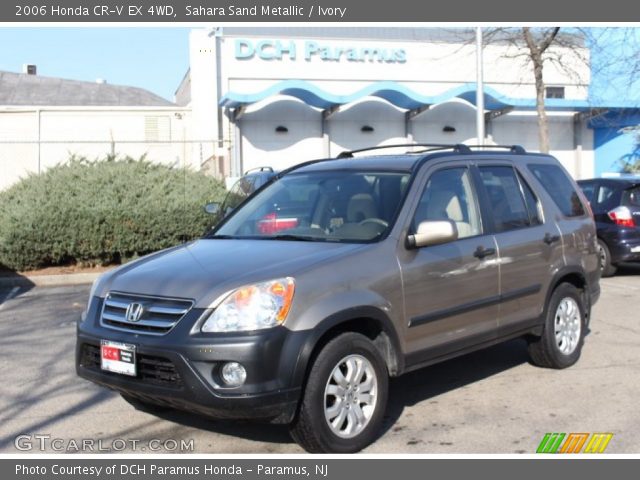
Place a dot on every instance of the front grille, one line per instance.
(151, 369)
(159, 315)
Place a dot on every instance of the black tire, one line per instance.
(607, 269)
(143, 406)
(310, 429)
(545, 350)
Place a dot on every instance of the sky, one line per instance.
(155, 59)
(615, 62)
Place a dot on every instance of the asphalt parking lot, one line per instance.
(491, 401)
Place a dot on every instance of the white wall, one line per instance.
(345, 126)
(92, 133)
(522, 129)
(430, 68)
(263, 146)
(428, 126)
(17, 159)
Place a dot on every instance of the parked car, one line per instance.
(251, 181)
(616, 208)
(380, 265)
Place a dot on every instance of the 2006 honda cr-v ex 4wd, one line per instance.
(340, 273)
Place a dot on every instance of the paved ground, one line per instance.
(487, 402)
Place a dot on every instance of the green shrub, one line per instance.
(101, 212)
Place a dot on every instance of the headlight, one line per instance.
(253, 307)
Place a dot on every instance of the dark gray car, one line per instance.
(344, 272)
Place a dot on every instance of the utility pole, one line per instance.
(479, 89)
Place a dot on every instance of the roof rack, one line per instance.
(259, 169)
(518, 149)
(459, 147)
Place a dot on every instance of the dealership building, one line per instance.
(276, 96)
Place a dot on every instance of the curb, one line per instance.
(49, 280)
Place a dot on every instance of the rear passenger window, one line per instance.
(559, 187)
(631, 197)
(507, 203)
(608, 197)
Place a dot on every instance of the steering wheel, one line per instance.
(376, 221)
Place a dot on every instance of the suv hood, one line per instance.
(205, 269)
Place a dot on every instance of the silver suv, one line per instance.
(341, 273)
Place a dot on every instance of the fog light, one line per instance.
(233, 374)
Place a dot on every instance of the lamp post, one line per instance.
(479, 89)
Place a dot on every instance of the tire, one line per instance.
(328, 396)
(143, 406)
(607, 269)
(566, 311)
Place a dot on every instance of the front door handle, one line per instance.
(482, 252)
(549, 239)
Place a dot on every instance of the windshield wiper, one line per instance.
(221, 237)
(289, 236)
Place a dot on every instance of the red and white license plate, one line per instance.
(118, 357)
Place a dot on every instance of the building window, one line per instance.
(554, 92)
(157, 128)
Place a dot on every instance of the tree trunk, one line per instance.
(543, 127)
(536, 51)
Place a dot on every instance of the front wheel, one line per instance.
(344, 399)
(562, 337)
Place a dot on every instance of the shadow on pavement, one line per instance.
(628, 270)
(256, 431)
(428, 383)
(12, 284)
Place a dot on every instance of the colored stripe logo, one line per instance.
(573, 443)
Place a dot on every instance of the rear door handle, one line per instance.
(482, 252)
(549, 239)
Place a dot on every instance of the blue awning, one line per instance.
(401, 96)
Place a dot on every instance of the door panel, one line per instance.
(451, 290)
(529, 246)
(526, 268)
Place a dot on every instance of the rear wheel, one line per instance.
(345, 397)
(562, 337)
(606, 268)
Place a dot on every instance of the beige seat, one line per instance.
(361, 206)
(444, 204)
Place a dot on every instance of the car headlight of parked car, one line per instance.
(253, 307)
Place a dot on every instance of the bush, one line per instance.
(101, 212)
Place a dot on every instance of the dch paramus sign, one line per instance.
(310, 50)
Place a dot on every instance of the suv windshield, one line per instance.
(321, 206)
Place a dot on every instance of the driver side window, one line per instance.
(449, 195)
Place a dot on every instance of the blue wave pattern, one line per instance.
(396, 94)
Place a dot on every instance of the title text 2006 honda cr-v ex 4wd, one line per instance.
(340, 273)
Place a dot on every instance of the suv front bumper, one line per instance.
(181, 369)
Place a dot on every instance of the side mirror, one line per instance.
(433, 232)
(212, 208)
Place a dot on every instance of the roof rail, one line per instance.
(459, 147)
(518, 149)
(259, 169)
